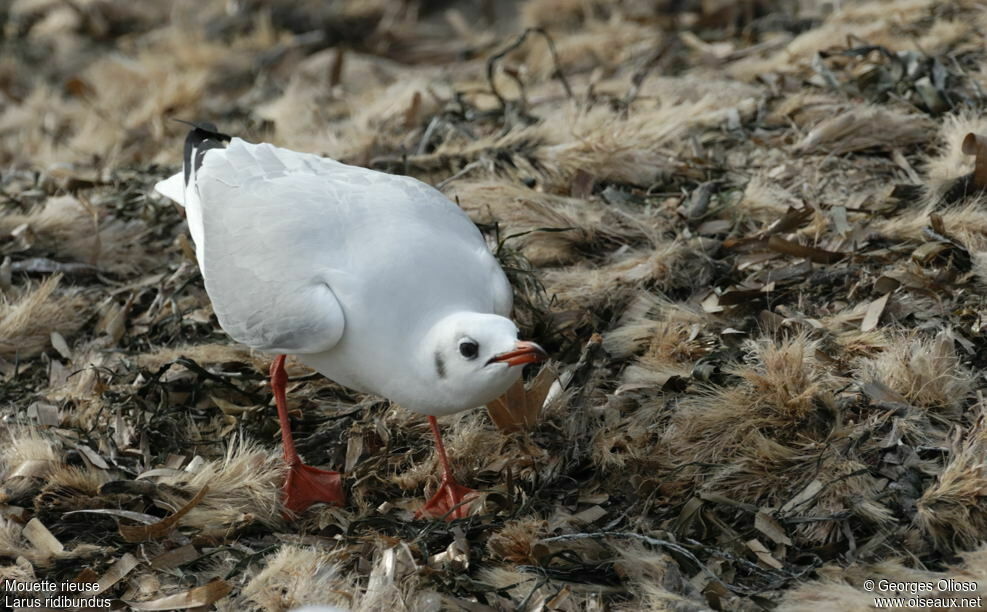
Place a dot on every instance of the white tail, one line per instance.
(172, 187)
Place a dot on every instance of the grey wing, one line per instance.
(503, 294)
(277, 224)
(261, 258)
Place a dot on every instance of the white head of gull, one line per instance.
(377, 281)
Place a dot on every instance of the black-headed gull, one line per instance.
(377, 281)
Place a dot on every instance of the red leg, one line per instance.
(450, 493)
(305, 485)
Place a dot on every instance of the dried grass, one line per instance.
(928, 372)
(878, 24)
(953, 511)
(243, 487)
(948, 162)
(294, 577)
(28, 320)
(600, 287)
(968, 223)
(865, 127)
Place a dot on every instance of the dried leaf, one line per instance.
(43, 265)
(139, 517)
(582, 184)
(507, 411)
(886, 284)
(928, 251)
(793, 219)
(541, 385)
(412, 115)
(711, 304)
(590, 515)
(763, 554)
(205, 595)
(873, 314)
(799, 250)
(16, 513)
(188, 250)
(769, 526)
(807, 493)
(86, 576)
(229, 408)
(24, 237)
(117, 572)
(715, 226)
(113, 319)
(44, 413)
(518, 409)
(6, 275)
(354, 450)
(90, 455)
(164, 471)
(880, 392)
(59, 344)
(839, 217)
(176, 557)
(42, 539)
(457, 553)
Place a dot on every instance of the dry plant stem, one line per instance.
(492, 62)
(637, 79)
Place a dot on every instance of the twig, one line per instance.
(43, 265)
(427, 136)
(201, 371)
(473, 165)
(642, 73)
(492, 62)
(592, 351)
(823, 487)
(754, 568)
(538, 584)
(97, 241)
(243, 562)
(441, 521)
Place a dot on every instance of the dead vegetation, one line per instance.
(752, 235)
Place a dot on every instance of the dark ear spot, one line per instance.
(440, 365)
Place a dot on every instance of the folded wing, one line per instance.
(258, 211)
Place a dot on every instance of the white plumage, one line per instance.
(350, 270)
(377, 281)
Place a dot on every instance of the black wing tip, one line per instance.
(203, 136)
(204, 129)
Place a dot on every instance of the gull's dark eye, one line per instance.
(469, 349)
